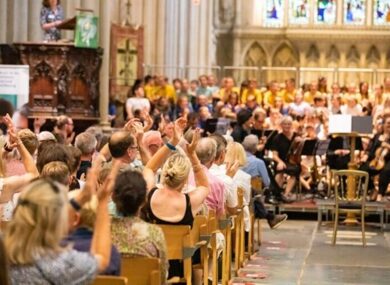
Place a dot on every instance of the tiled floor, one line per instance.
(296, 253)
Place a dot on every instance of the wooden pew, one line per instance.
(141, 270)
(110, 280)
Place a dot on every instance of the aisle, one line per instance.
(296, 253)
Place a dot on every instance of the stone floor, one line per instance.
(298, 253)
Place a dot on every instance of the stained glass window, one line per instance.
(274, 13)
(354, 12)
(299, 12)
(325, 11)
(381, 12)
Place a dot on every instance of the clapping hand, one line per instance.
(179, 126)
(191, 147)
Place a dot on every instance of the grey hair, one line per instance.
(250, 143)
(86, 143)
(206, 150)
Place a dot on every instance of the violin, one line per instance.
(379, 162)
(294, 154)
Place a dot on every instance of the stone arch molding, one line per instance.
(313, 56)
(255, 55)
(285, 56)
(373, 57)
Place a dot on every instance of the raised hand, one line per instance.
(148, 120)
(106, 190)
(179, 126)
(191, 148)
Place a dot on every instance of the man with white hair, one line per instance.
(255, 167)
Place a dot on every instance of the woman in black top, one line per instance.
(167, 204)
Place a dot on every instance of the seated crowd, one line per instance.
(71, 205)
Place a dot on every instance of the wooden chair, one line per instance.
(141, 270)
(346, 203)
(212, 227)
(257, 188)
(241, 228)
(110, 280)
(182, 242)
(201, 238)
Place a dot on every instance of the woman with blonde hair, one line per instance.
(166, 203)
(235, 152)
(40, 222)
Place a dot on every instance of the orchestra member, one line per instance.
(281, 148)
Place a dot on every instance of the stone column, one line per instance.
(160, 29)
(20, 13)
(35, 33)
(183, 33)
(92, 5)
(193, 39)
(3, 21)
(340, 12)
(105, 26)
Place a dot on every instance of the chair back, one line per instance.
(256, 185)
(350, 187)
(177, 238)
(240, 197)
(141, 270)
(110, 280)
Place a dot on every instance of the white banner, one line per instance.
(14, 84)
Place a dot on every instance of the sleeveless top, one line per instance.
(187, 220)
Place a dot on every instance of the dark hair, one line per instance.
(137, 84)
(53, 152)
(119, 143)
(46, 3)
(6, 108)
(129, 192)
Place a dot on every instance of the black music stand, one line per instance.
(321, 149)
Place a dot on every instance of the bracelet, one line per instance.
(7, 148)
(171, 146)
(75, 205)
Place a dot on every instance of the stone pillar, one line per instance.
(340, 12)
(92, 5)
(160, 29)
(35, 33)
(193, 39)
(20, 13)
(105, 27)
(183, 33)
(3, 21)
(10, 29)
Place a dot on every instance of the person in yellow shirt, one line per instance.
(149, 88)
(271, 94)
(228, 88)
(163, 89)
(313, 92)
(252, 90)
(288, 93)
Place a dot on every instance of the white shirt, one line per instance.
(137, 103)
(230, 186)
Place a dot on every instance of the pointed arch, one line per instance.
(285, 56)
(353, 57)
(313, 56)
(255, 56)
(373, 57)
(333, 57)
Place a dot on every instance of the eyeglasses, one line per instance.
(133, 147)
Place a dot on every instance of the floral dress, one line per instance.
(135, 237)
(50, 16)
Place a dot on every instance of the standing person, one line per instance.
(52, 16)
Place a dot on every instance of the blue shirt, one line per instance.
(81, 239)
(255, 167)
